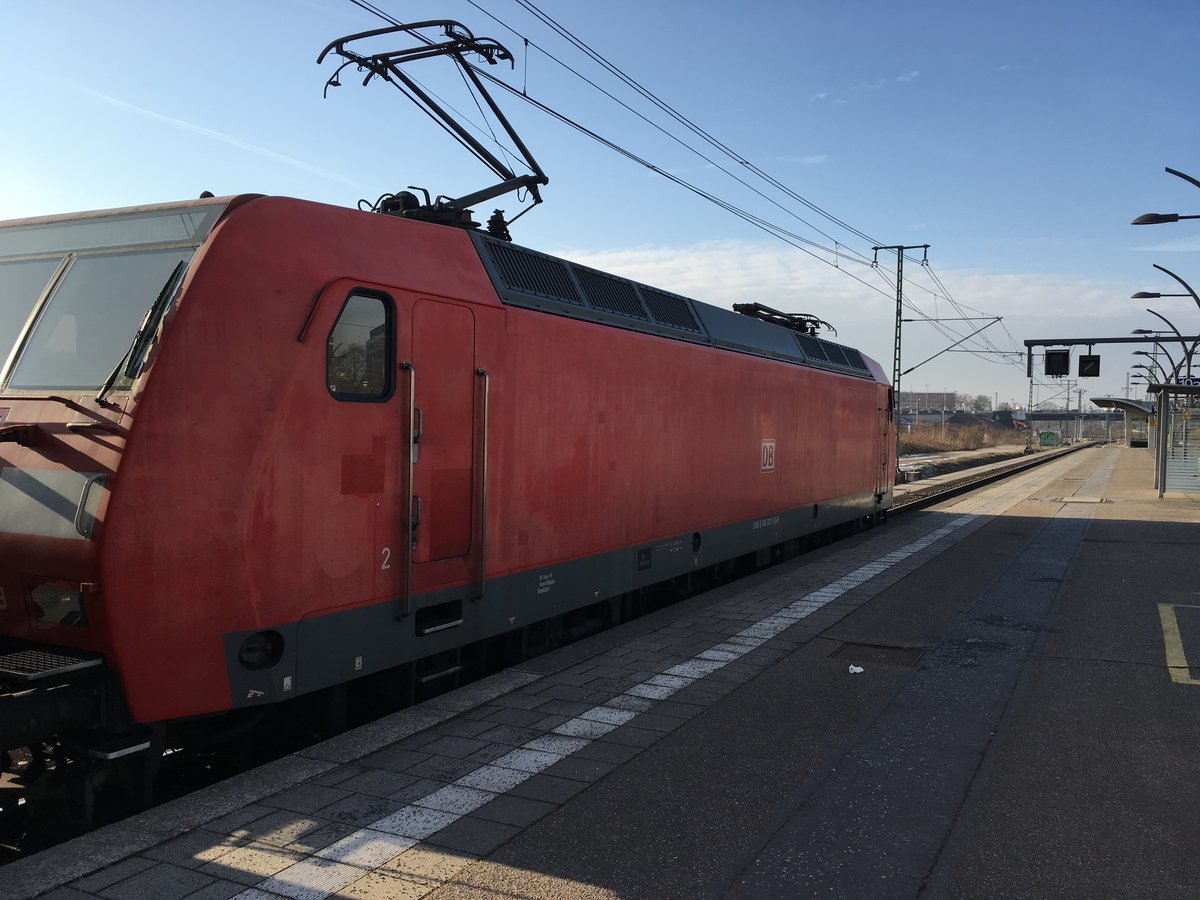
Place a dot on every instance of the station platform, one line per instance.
(989, 697)
(943, 469)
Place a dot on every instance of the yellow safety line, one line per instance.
(1177, 663)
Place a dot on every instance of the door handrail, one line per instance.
(483, 485)
(410, 532)
(85, 528)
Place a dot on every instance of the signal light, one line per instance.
(1058, 363)
(1089, 366)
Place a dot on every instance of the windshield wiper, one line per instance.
(132, 360)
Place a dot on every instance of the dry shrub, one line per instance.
(929, 438)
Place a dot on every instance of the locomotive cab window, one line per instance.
(77, 293)
(360, 349)
(94, 311)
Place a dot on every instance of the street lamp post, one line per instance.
(1150, 373)
(1189, 352)
(1167, 353)
(1153, 359)
(1165, 393)
(1161, 218)
(1183, 284)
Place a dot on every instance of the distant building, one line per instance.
(926, 401)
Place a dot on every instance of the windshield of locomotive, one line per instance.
(77, 295)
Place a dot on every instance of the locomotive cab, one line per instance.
(83, 299)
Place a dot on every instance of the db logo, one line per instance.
(768, 455)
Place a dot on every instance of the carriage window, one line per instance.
(359, 350)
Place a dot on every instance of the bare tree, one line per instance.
(348, 369)
(980, 403)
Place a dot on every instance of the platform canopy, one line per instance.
(1135, 409)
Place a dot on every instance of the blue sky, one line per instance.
(1017, 139)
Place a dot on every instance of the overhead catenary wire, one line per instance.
(693, 128)
(524, 95)
(801, 243)
(838, 252)
(676, 116)
(680, 118)
(988, 346)
(698, 131)
(833, 255)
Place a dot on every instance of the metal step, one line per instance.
(45, 662)
(114, 746)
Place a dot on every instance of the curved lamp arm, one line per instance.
(1182, 343)
(1187, 287)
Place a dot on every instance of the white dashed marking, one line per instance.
(350, 858)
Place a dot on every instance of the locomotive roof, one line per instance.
(534, 280)
(124, 211)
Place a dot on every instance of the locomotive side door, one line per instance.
(349, 474)
(363, 373)
(444, 474)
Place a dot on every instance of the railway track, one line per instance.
(948, 486)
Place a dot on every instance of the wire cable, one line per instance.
(833, 256)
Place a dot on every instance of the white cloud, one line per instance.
(220, 136)
(1181, 245)
(811, 159)
(728, 272)
(875, 84)
(1033, 305)
(724, 272)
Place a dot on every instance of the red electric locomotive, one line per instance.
(254, 447)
